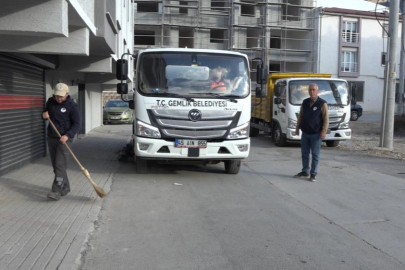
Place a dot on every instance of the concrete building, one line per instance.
(352, 45)
(46, 42)
(278, 31)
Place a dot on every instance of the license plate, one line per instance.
(334, 108)
(181, 143)
(115, 117)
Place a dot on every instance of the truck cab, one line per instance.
(191, 105)
(286, 92)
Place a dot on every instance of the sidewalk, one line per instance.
(36, 233)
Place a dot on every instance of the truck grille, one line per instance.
(176, 123)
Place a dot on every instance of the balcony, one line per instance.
(350, 37)
(349, 67)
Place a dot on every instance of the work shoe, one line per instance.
(54, 196)
(312, 178)
(302, 175)
(65, 191)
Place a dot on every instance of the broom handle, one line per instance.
(67, 146)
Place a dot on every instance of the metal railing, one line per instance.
(349, 67)
(350, 37)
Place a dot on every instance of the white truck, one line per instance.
(191, 105)
(278, 112)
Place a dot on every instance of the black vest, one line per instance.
(312, 116)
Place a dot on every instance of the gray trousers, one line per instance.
(60, 158)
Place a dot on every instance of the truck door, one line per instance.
(280, 109)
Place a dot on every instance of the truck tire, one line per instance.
(232, 166)
(279, 138)
(253, 131)
(354, 116)
(141, 165)
(332, 143)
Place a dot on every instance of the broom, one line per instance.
(100, 192)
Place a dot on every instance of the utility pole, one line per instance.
(388, 136)
(401, 67)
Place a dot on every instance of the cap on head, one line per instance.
(61, 89)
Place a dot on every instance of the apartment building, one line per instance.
(352, 44)
(46, 42)
(281, 32)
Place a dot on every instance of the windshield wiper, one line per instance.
(228, 97)
(174, 95)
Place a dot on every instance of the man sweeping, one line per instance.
(64, 113)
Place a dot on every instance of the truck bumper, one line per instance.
(156, 148)
(334, 135)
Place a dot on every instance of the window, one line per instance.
(183, 10)
(383, 58)
(350, 32)
(148, 7)
(217, 36)
(359, 90)
(349, 61)
(247, 10)
(274, 67)
(275, 42)
(218, 5)
(143, 37)
(290, 10)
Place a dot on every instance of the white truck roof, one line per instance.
(192, 50)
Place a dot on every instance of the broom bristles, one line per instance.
(100, 192)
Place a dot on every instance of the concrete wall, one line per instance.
(34, 18)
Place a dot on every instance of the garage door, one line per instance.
(22, 130)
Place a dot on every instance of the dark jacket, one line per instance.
(65, 116)
(312, 121)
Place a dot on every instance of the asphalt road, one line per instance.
(353, 217)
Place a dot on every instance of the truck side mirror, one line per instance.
(260, 92)
(277, 101)
(131, 104)
(277, 90)
(261, 74)
(122, 69)
(354, 90)
(122, 88)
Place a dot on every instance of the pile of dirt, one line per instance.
(366, 139)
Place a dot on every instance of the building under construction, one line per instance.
(278, 31)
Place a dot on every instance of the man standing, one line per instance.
(313, 120)
(64, 113)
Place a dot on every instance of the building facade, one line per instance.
(46, 42)
(352, 45)
(281, 32)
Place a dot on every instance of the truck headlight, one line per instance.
(292, 123)
(239, 132)
(344, 125)
(146, 130)
(126, 113)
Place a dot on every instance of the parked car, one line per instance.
(117, 111)
(356, 111)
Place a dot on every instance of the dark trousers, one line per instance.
(60, 158)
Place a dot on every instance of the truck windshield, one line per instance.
(193, 74)
(333, 92)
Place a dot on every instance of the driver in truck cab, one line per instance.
(217, 82)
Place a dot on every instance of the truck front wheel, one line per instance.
(141, 165)
(232, 166)
(332, 143)
(253, 131)
(279, 138)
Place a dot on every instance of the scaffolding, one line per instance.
(281, 32)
